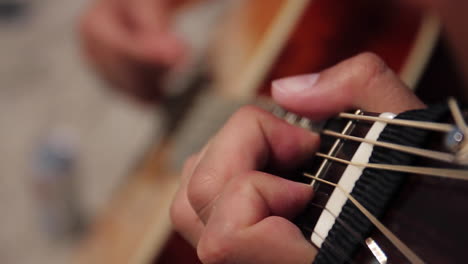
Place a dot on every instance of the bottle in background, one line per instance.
(54, 172)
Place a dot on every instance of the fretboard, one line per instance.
(331, 221)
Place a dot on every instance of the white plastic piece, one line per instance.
(350, 176)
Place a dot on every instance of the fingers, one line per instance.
(362, 82)
(252, 196)
(243, 145)
(274, 240)
(131, 45)
(242, 223)
(250, 140)
(237, 213)
(182, 214)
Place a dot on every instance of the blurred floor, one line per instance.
(44, 83)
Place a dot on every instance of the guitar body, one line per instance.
(260, 42)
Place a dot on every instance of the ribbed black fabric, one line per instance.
(375, 188)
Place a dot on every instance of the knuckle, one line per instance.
(370, 65)
(214, 249)
(200, 190)
(244, 179)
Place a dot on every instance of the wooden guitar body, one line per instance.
(262, 41)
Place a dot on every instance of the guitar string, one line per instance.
(405, 250)
(447, 157)
(458, 158)
(332, 150)
(457, 115)
(433, 126)
(347, 227)
(439, 127)
(335, 147)
(352, 232)
(458, 174)
(437, 155)
(449, 173)
(462, 153)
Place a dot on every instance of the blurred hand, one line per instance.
(234, 212)
(130, 44)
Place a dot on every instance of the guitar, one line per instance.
(136, 228)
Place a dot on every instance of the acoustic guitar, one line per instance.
(264, 41)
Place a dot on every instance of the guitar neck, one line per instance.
(346, 232)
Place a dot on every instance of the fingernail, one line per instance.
(294, 85)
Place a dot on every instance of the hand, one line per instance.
(229, 209)
(131, 45)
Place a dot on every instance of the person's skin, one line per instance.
(229, 208)
(130, 44)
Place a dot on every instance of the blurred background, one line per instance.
(66, 142)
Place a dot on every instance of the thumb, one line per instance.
(362, 82)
